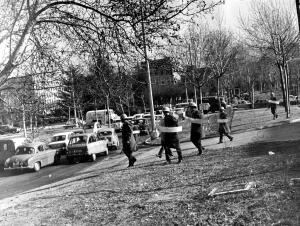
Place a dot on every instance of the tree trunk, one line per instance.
(24, 120)
(283, 88)
(298, 12)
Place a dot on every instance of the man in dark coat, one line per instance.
(171, 139)
(128, 140)
(273, 106)
(196, 128)
(223, 127)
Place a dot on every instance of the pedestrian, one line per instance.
(196, 127)
(171, 139)
(273, 106)
(223, 103)
(128, 140)
(223, 126)
(162, 138)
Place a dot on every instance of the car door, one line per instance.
(41, 155)
(91, 145)
(49, 155)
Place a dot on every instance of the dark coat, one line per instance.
(223, 127)
(128, 140)
(196, 128)
(273, 106)
(171, 140)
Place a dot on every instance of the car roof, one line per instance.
(105, 129)
(33, 144)
(64, 133)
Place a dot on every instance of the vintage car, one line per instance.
(85, 147)
(60, 141)
(71, 123)
(9, 129)
(111, 136)
(31, 156)
(117, 125)
(142, 125)
(8, 148)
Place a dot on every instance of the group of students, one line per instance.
(169, 133)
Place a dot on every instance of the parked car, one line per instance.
(31, 156)
(141, 125)
(9, 129)
(85, 146)
(111, 136)
(8, 148)
(60, 141)
(71, 123)
(138, 116)
(180, 112)
(261, 104)
(117, 125)
(214, 103)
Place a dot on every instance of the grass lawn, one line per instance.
(153, 193)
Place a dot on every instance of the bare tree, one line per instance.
(24, 23)
(272, 30)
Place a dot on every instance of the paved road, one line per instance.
(13, 183)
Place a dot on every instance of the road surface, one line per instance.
(13, 183)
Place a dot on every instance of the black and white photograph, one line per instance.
(149, 112)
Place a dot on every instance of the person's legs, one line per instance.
(196, 140)
(159, 154)
(131, 159)
(221, 136)
(167, 153)
(178, 149)
(229, 137)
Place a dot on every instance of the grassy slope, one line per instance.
(154, 194)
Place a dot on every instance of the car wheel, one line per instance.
(93, 157)
(37, 166)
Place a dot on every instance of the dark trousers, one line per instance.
(223, 132)
(128, 152)
(196, 140)
(175, 145)
(274, 113)
(168, 151)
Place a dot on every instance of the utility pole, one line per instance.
(193, 71)
(154, 134)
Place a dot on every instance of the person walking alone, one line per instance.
(196, 128)
(223, 127)
(128, 140)
(273, 106)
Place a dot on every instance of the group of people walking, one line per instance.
(169, 133)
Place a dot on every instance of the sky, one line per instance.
(232, 9)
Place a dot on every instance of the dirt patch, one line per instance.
(153, 193)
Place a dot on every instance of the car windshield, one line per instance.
(78, 140)
(24, 150)
(58, 138)
(105, 133)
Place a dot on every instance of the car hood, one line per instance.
(19, 158)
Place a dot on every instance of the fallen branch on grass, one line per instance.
(247, 187)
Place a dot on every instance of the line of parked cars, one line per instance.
(21, 153)
(4, 129)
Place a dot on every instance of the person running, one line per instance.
(196, 128)
(223, 127)
(162, 138)
(273, 106)
(171, 139)
(128, 140)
